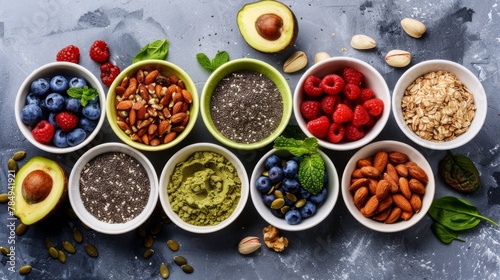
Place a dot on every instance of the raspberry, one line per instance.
(336, 133)
(360, 116)
(99, 51)
(352, 91)
(353, 133)
(371, 123)
(319, 127)
(328, 104)
(342, 114)
(312, 86)
(374, 106)
(66, 121)
(332, 84)
(43, 132)
(366, 94)
(352, 76)
(109, 72)
(70, 53)
(310, 109)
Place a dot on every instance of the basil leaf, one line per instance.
(459, 172)
(204, 61)
(312, 172)
(456, 214)
(444, 234)
(155, 50)
(219, 59)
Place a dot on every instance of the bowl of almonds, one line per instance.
(439, 104)
(388, 186)
(152, 105)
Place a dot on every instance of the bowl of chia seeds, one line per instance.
(246, 103)
(113, 188)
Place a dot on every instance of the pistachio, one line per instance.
(363, 42)
(297, 61)
(25, 269)
(249, 245)
(164, 272)
(413, 27)
(321, 56)
(398, 58)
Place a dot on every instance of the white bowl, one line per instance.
(463, 74)
(47, 71)
(181, 156)
(77, 204)
(388, 146)
(321, 213)
(372, 79)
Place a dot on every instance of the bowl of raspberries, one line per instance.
(343, 102)
(59, 107)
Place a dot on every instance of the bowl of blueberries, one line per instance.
(282, 201)
(59, 107)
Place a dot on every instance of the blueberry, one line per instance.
(263, 184)
(76, 136)
(32, 98)
(288, 201)
(271, 161)
(54, 102)
(277, 213)
(290, 185)
(94, 100)
(31, 114)
(43, 105)
(291, 168)
(40, 87)
(268, 199)
(319, 197)
(276, 174)
(72, 105)
(59, 84)
(52, 120)
(91, 111)
(293, 217)
(77, 82)
(308, 209)
(87, 125)
(60, 139)
(304, 193)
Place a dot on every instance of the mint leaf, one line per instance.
(219, 59)
(155, 50)
(294, 131)
(85, 94)
(75, 92)
(204, 61)
(312, 172)
(294, 146)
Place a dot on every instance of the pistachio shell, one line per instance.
(297, 61)
(249, 245)
(321, 56)
(362, 42)
(398, 58)
(413, 27)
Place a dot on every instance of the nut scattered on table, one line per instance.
(321, 56)
(273, 240)
(363, 42)
(249, 245)
(296, 62)
(398, 58)
(413, 27)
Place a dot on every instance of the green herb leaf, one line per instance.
(85, 94)
(444, 234)
(460, 173)
(456, 214)
(296, 147)
(219, 59)
(155, 50)
(75, 92)
(294, 131)
(312, 172)
(204, 61)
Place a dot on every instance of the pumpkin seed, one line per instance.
(148, 253)
(271, 190)
(68, 247)
(156, 228)
(285, 209)
(12, 165)
(277, 203)
(77, 235)
(278, 194)
(19, 155)
(5, 251)
(291, 197)
(91, 250)
(48, 243)
(187, 268)
(265, 173)
(164, 272)
(4, 198)
(21, 229)
(148, 241)
(180, 260)
(141, 231)
(53, 253)
(300, 203)
(61, 256)
(173, 245)
(25, 269)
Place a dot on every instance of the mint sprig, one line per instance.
(85, 94)
(312, 166)
(219, 59)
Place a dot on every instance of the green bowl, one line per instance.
(240, 65)
(166, 69)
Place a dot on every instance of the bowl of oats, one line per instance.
(439, 104)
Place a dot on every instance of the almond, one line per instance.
(416, 202)
(406, 215)
(357, 173)
(145, 123)
(402, 170)
(143, 91)
(151, 77)
(178, 128)
(383, 188)
(402, 202)
(404, 187)
(418, 173)
(178, 118)
(384, 204)
(394, 184)
(416, 186)
(141, 113)
(391, 171)
(187, 96)
(152, 128)
(131, 89)
(123, 125)
(358, 183)
(371, 205)
(154, 142)
(380, 160)
(398, 157)
(383, 215)
(163, 127)
(393, 216)
(132, 116)
(124, 105)
(139, 75)
(138, 105)
(177, 96)
(145, 139)
(360, 197)
(364, 162)
(370, 171)
(119, 90)
(177, 107)
(372, 186)
(169, 137)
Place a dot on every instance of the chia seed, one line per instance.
(114, 187)
(246, 107)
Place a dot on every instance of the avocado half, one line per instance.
(268, 26)
(40, 187)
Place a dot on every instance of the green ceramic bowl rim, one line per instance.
(246, 64)
(152, 64)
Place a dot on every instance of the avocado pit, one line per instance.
(269, 26)
(36, 186)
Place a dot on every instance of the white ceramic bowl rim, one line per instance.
(77, 203)
(463, 74)
(43, 72)
(182, 155)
